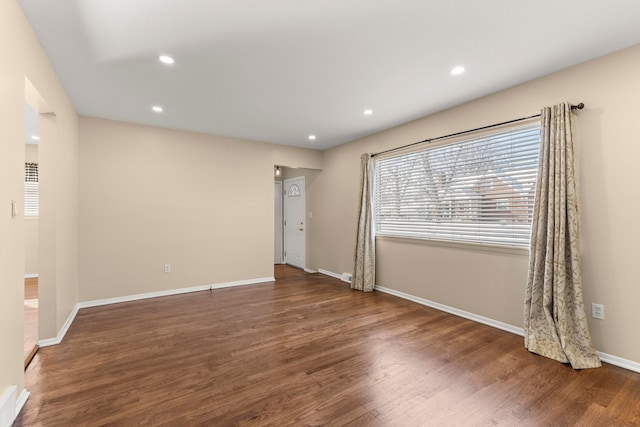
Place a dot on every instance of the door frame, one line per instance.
(278, 246)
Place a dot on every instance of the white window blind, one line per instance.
(477, 190)
(31, 198)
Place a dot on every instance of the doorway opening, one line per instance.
(31, 227)
(293, 217)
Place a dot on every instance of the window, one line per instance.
(478, 190)
(294, 191)
(31, 201)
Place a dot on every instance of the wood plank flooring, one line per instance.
(306, 350)
(30, 319)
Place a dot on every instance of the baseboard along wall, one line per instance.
(106, 301)
(11, 405)
(605, 357)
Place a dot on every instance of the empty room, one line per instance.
(285, 212)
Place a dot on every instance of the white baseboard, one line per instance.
(619, 361)
(63, 331)
(243, 282)
(330, 273)
(22, 400)
(169, 292)
(136, 297)
(8, 406)
(308, 270)
(460, 313)
(605, 357)
(31, 276)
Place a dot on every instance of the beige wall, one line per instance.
(152, 196)
(24, 58)
(492, 284)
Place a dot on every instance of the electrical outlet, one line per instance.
(597, 311)
(167, 268)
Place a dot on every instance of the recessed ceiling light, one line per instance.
(368, 112)
(312, 137)
(165, 59)
(157, 109)
(456, 71)
(35, 137)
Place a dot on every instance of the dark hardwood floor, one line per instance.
(306, 350)
(30, 319)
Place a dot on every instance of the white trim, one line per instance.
(330, 273)
(605, 357)
(31, 276)
(169, 292)
(460, 313)
(619, 361)
(468, 246)
(22, 400)
(8, 406)
(63, 331)
(136, 297)
(243, 282)
(308, 270)
(278, 225)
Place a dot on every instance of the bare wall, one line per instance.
(23, 59)
(491, 283)
(152, 196)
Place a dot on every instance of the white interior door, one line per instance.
(294, 221)
(277, 251)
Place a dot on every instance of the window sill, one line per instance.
(512, 250)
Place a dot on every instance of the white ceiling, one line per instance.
(279, 70)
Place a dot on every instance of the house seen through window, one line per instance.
(478, 190)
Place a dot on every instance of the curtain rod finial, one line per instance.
(578, 107)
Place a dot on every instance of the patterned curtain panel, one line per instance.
(555, 323)
(31, 172)
(364, 270)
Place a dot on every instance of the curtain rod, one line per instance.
(580, 106)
